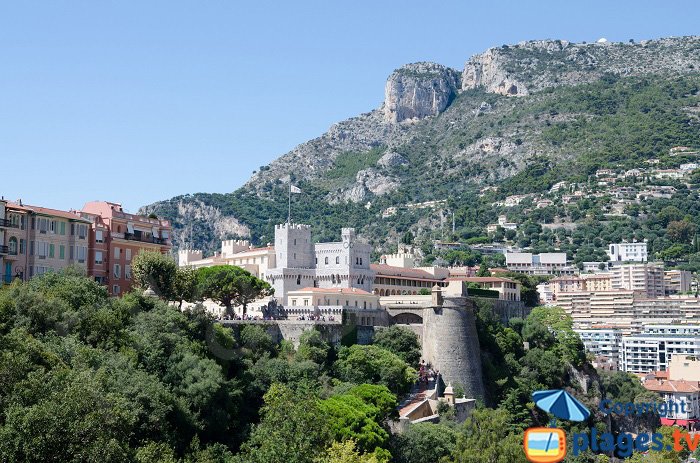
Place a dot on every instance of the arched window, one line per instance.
(326, 261)
(360, 260)
(337, 260)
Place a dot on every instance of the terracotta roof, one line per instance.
(49, 211)
(358, 291)
(483, 279)
(661, 385)
(390, 270)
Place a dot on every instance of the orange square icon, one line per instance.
(544, 445)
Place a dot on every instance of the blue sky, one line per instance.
(136, 101)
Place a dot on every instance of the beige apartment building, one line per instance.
(36, 240)
(233, 252)
(645, 279)
(508, 290)
(677, 281)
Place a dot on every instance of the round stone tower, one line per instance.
(451, 344)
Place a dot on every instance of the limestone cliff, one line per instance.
(419, 90)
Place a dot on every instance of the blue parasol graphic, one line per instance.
(561, 404)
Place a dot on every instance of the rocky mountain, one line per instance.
(551, 106)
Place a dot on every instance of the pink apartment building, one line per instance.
(115, 239)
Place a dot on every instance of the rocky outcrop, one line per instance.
(392, 159)
(368, 182)
(419, 90)
(517, 70)
(488, 70)
(199, 225)
(314, 157)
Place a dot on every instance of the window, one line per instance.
(98, 236)
(127, 272)
(63, 228)
(72, 229)
(306, 302)
(51, 250)
(22, 246)
(128, 254)
(31, 248)
(337, 260)
(61, 252)
(115, 289)
(326, 261)
(12, 245)
(98, 257)
(53, 226)
(117, 253)
(82, 231)
(117, 271)
(42, 249)
(81, 253)
(294, 302)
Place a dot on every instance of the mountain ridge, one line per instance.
(478, 126)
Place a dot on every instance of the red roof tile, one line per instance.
(357, 291)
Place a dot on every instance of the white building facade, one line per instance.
(628, 252)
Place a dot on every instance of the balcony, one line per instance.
(145, 238)
(5, 223)
(4, 250)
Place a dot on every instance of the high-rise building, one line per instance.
(115, 239)
(644, 279)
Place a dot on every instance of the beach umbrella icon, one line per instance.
(561, 404)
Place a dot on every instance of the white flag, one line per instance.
(293, 189)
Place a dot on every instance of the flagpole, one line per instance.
(289, 212)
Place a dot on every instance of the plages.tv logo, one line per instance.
(548, 445)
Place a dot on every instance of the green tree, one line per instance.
(292, 429)
(346, 452)
(680, 231)
(313, 347)
(151, 269)
(488, 436)
(230, 285)
(401, 341)
(185, 286)
(483, 271)
(425, 442)
(372, 364)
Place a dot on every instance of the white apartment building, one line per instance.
(605, 342)
(551, 263)
(648, 352)
(546, 294)
(628, 252)
(645, 279)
